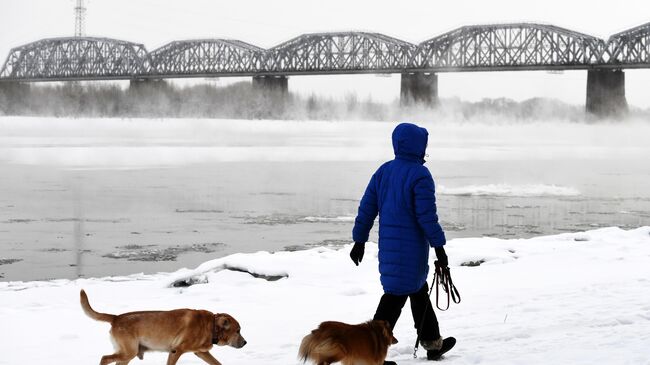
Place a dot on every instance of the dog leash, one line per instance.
(442, 277)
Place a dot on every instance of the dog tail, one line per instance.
(306, 347)
(90, 312)
(312, 348)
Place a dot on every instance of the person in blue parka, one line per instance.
(402, 193)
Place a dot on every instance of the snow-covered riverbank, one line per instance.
(575, 298)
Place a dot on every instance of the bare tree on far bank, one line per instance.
(243, 101)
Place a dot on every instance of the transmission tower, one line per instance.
(80, 19)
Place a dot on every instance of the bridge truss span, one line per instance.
(502, 47)
(207, 57)
(76, 58)
(349, 52)
(630, 48)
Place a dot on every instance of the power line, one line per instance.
(80, 19)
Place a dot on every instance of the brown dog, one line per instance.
(365, 343)
(176, 331)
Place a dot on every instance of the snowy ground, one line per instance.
(575, 298)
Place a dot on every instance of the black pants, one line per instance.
(390, 307)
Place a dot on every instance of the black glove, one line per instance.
(357, 252)
(442, 257)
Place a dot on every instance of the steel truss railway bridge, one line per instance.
(497, 47)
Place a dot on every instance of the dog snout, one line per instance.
(394, 341)
(241, 343)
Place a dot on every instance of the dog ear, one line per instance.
(387, 326)
(385, 323)
(223, 322)
(388, 333)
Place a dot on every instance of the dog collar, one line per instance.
(215, 335)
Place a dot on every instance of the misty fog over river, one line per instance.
(96, 197)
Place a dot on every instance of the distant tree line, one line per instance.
(242, 101)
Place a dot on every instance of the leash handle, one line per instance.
(455, 295)
(439, 280)
(442, 277)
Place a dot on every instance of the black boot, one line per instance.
(447, 345)
(433, 345)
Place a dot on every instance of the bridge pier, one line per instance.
(271, 83)
(419, 88)
(137, 84)
(606, 93)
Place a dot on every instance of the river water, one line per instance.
(91, 198)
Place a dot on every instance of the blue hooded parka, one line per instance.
(402, 192)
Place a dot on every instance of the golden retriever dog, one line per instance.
(361, 344)
(176, 331)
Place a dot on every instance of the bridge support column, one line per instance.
(272, 83)
(138, 84)
(419, 88)
(606, 93)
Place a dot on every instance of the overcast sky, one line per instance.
(269, 22)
